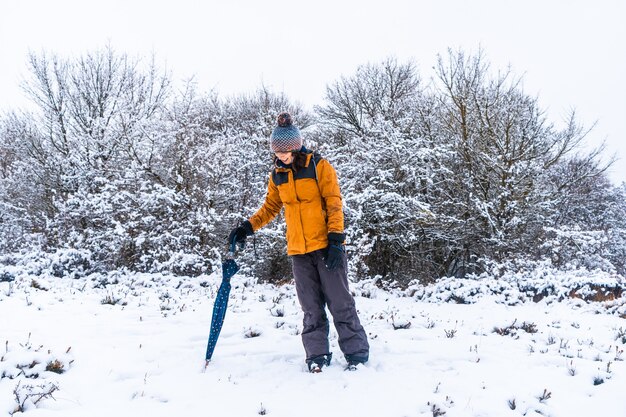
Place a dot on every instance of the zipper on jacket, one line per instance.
(295, 192)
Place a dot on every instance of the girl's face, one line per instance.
(285, 157)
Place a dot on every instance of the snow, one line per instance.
(134, 344)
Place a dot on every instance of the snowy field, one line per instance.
(133, 345)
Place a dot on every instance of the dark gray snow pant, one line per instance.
(317, 287)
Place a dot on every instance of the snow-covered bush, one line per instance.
(28, 396)
(574, 248)
(437, 178)
(518, 282)
(25, 361)
(113, 169)
(71, 263)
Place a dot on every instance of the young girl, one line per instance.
(306, 185)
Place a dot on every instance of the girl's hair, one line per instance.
(299, 160)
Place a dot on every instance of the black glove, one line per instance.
(239, 234)
(334, 252)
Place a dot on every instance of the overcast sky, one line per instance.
(571, 53)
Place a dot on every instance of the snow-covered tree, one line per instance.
(586, 227)
(94, 125)
(504, 147)
(370, 128)
(464, 173)
(220, 156)
(438, 179)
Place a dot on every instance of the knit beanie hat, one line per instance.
(285, 137)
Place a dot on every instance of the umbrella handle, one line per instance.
(232, 248)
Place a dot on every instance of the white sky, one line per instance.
(570, 52)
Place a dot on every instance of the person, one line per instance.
(306, 185)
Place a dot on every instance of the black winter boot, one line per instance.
(317, 363)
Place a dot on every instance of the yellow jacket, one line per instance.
(312, 202)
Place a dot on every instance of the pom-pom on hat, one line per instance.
(285, 137)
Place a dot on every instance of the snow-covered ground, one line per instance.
(133, 345)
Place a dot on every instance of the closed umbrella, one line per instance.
(229, 268)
